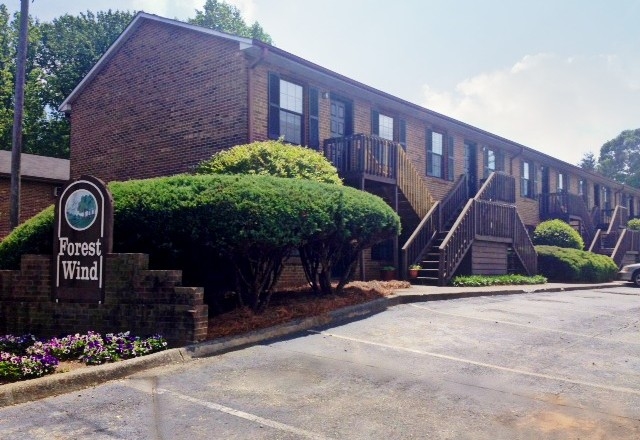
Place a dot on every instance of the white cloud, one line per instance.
(169, 8)
(560, 106)
(247, 8)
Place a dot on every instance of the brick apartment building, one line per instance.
(168, 95)
(40, 178)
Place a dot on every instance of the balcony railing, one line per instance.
(563, 205)
(499, 187)
(359, 153)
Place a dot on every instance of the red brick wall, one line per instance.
(168, 99)
(143, 301)
(34, 197)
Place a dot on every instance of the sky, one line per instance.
(559, 76)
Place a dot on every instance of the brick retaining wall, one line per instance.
(139, 300)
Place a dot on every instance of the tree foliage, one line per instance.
(61, 53)
(620, 158)
(223, 17)
(588, 161)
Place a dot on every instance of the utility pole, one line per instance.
(16, 139)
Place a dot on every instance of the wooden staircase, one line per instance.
(446, 234)
(429, 272)
(616, 240)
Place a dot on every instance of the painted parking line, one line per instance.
(533, 327)
(484, 364)
(244, 415)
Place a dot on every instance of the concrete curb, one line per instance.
(21, 392)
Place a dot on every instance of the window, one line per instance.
(285, 110)
(434, 155)
(527, 179)
(606, 198)
(582, 189)
(493, 161)
(385, 126)
(563, 182)
(439, 155)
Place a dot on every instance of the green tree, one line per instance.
(7, 67)
(588, 161)
(620, 158)
(222, 17)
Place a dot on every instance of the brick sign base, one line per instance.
(145, 302)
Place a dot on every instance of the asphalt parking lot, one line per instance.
(562, 365)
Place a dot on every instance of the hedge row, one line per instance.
(253, 221)
(573, 265)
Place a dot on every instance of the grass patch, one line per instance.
(496, 280)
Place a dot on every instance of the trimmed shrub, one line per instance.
(252, 222)
(634, 224)
(557, 233)
(573, 265)
(272, 158)
(35, 236)
(496, 280)
(354, 226)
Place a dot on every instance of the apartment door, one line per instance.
(471, 167)
(338, 118)
(544, 189)
(596, 195)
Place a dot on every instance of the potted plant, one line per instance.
(413, 270)
(388, 273)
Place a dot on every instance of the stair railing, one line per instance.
(421, 239)
(440, 213)
(523, 246)
(454, 200)
(457, 242)
(485, 216)
(412, 185)
(499, 187)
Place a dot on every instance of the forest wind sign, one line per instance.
(83, 237)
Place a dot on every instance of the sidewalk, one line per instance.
(55, 384)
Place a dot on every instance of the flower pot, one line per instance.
(388, 275)
(413, 273)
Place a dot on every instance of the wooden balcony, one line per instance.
(570, 208)
(363, 156)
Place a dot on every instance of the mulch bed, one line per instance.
(299, 303)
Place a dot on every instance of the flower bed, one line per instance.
(25, 357)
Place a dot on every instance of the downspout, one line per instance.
(250, 69)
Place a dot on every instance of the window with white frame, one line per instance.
(285, 110)
(385, 126)
(527, 179)
(563, 184)
(435, 153)
(493, 161)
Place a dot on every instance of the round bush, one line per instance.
(557, 233)
(634, 224)
(273, 158)
(573, 265)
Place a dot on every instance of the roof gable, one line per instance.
(124, 36)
